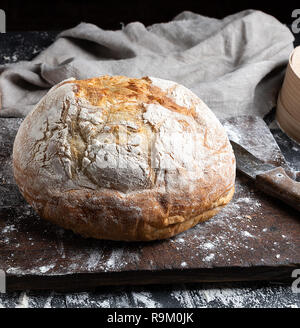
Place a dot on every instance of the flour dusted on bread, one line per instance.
(122, 158)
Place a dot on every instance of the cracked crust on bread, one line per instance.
(123, 158)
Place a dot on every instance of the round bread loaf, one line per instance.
(123, 158)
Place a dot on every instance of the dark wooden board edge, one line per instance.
(73, 282)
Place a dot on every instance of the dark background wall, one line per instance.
(61, 14)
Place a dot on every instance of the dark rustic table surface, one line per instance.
(24, 46)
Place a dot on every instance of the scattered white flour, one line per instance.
(201, 296)
(61, 249)
(247, 234)
(246, 297)
(120, 301)
(251, 203)
(6, 240)
(47, 304)
(94, 259)
(9, 228)
(208, 245)
(144, 300)
(209, 257)
(46, 268)
(226, 296)
(10, 59)
(77, 300)
(115, 259)
(23, 301)
(103, 304)
(183, 297)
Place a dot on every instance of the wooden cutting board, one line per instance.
(253, 238)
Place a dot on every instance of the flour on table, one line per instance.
(23, 301)
(183, 297)
(208, 245)
(9, 228)
(115, 259)
(144, 299)
(209, 257)
(94, 259)
(247, 234)
(46, 268)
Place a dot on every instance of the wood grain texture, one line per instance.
(278, 184)
(253, 238)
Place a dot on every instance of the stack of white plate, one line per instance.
(288, 104)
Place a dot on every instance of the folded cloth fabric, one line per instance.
(234, 64)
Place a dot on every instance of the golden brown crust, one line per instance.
(99, 91)
(54, 142)
(91, 213)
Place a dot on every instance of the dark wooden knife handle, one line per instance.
(278, 184)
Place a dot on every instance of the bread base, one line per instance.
(124, 228)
